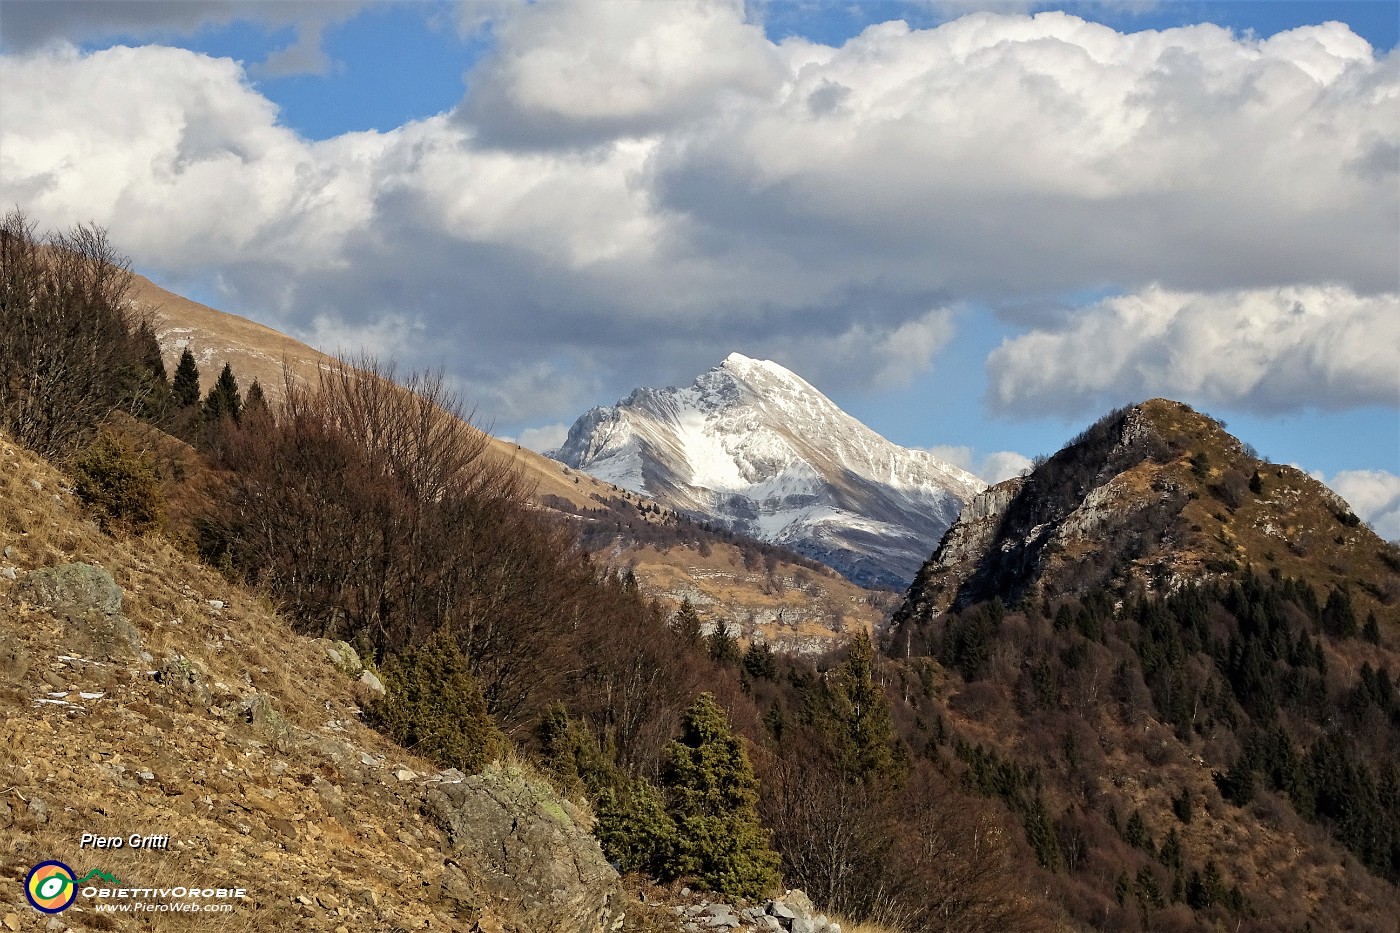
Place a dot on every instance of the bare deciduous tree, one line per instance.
(70, 347)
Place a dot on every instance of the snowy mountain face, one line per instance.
(753, 447)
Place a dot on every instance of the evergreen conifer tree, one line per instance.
(149, 348)
(712, 797)
(1040, 833)
(224, 400)
(860, 715)
(634, 829)
(1136, 834)
(145, 388)
(256, 400)
(1371, 631)
(1122, 888)
(1149, 892)
(186, 384)
(1338, 617)
(686, 624)
(724, 650)
(433, 705)
(760, 662)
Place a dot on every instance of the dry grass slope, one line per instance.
(259, 352)
(257, 765)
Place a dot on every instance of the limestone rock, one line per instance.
(343, 656)
(371, 686)
(528, 850)
(89, 603)
(262, 718)
(73, 589)
(179, 674)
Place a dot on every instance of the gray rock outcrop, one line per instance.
(89, 603)
(529, 849)
(791, 913)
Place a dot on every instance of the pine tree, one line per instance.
(1149, 892)
(1136, 834)
(186, 384)
(1183, 806)
(224, 400)
(860, 717)
(1122, 888)
(145, 389)
(724, 650)
(1171, 855)
(759, 661)
(1198, 896)
(1338, 617)
(686, 624)
(1040, 833)
(712, 798)
(149, 347)
(1371, 631)
(1214, 884)
(255, 405)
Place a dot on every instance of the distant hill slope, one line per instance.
(756, 448)
(258, 352)
(1152, 496)
(714, 573)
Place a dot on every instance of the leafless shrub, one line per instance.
(70, 349)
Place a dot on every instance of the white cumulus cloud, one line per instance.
(628, 191)
(545, 438)
(1266, 350)
(1374, 495)
(992, 468)
(570, 73)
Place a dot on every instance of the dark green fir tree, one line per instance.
(224, 400)
(186, 384)
(712, 798)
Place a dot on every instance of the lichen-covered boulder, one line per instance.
(529, 849)
(89, 603)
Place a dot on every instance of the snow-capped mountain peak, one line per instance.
(753, 446)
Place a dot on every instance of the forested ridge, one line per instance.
(1114, 759)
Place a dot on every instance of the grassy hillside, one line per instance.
(210, 722)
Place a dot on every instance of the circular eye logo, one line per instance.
(50, 887)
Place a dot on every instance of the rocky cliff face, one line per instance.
(1152, 496)
(755, 448)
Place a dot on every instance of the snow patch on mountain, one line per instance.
(754, 447)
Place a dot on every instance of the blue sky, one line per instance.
(975, 230)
